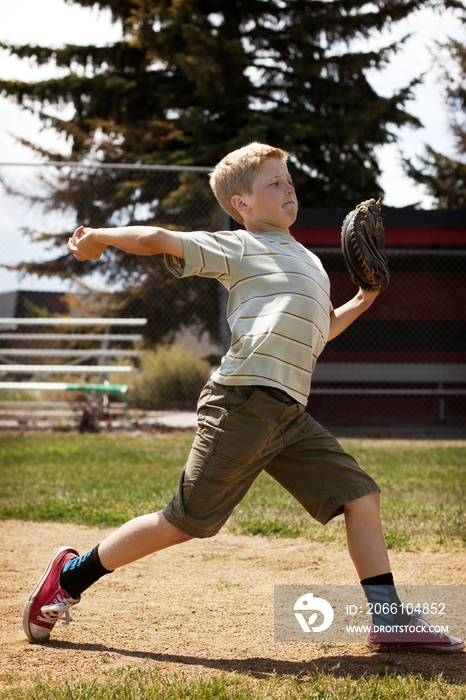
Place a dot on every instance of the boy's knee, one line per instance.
(369, 501)
(173, 533)
(179, 536)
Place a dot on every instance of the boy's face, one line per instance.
(272, 205)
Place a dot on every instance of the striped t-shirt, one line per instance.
(278, 305)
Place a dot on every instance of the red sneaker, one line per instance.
(419, 634)
(48, 602)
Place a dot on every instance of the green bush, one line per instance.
(170, 377)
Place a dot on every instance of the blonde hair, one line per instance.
(236, 172)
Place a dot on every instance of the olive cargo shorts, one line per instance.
(243, 430)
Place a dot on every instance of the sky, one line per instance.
(55, 23)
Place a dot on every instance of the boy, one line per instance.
(251, 412)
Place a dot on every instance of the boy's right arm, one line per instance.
(90, 243)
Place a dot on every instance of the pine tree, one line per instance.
(191, 80)
(444, 177)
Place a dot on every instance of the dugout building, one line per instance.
(404, 360)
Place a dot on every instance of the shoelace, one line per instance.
(417, 615)
(59, 610)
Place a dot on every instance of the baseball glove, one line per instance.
(363, 245)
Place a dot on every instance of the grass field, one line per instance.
(103, 480)
(130, 685)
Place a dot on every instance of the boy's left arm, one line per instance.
(342, 317)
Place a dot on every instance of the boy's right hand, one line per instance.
(83, 245)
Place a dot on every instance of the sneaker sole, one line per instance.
(420, 647)
(31, 599)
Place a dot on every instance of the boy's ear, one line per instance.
(239, 204)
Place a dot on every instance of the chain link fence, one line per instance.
(419, 320)
(417, 327)
(41, 206)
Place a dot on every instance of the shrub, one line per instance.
(170, 377)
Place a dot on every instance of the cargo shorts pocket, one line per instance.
(216, 402)
(246, 428)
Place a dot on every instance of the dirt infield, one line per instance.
(204, 607)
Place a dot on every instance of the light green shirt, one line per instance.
(278, 306)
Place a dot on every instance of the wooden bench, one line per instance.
(77, 358)
(432, 379)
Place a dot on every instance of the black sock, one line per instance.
(386, 606)
(81, 572)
